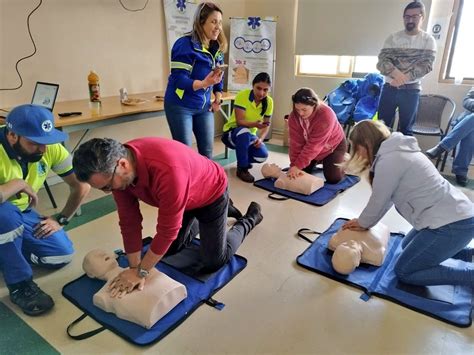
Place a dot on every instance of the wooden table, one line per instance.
(111, 111)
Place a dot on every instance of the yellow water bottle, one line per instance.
(94, 87)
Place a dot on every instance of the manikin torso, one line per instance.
(305, 184)
(353, 247)
(160, 294)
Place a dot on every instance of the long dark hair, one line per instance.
(262, 78)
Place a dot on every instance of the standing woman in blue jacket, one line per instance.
(195, 73)
(442, 216)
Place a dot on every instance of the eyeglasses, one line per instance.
(109, 187)
(412, 17)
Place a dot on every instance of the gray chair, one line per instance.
(429, 118)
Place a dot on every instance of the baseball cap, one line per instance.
(35, 123)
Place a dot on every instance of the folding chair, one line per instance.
(429, 118)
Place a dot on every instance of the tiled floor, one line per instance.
(273, 306)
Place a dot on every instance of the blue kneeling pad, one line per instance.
(448, 303)
(318, 198)
(183, 267)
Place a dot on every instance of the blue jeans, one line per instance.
(407, 102)
(462, 133)
(243, 141)
(425, 259)
(184, 121)
(19, 247)
(218, 244)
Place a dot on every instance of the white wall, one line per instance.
(127, 49)
(286, 81)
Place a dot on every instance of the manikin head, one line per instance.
(97, 263)
(347, 257)
(271, 170)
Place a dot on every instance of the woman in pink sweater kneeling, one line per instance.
(315, 136)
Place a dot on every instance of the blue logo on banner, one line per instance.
(181, 5)
(254, 22)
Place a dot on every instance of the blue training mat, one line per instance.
(81, 291)
(448, 303)
(317, 198)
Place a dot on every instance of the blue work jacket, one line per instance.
(191, 61)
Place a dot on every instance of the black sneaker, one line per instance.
(435, 152)
(461, 180)
(30, 298)
(244, 175)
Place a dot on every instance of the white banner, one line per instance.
(179, 16)
(251, 50)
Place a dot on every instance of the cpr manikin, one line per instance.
(354, 247)
(305, 184)
(160, 295)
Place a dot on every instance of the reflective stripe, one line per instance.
(65, 164)
(244, 130)
(181, 65)
(180, 93)
(51, 260)
(259, 159)
(10, 236)
(229, 138)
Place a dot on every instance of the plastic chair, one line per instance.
(429, 117)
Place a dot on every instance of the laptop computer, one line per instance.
(45, 94)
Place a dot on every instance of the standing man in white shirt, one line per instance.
(406, 57)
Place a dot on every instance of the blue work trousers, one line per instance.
(19, 247)
(242, 140)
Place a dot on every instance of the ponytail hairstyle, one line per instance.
(262, 78)
(305, 96)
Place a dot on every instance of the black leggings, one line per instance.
(332, 172)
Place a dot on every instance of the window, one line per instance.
(459, 51)
(333, 65)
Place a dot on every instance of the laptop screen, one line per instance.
(45, 94)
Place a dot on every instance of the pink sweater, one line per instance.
(172, 177)
(324, 134)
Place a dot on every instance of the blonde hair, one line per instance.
(203, 11)
(369, 135)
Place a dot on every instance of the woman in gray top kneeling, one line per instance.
(442, 216)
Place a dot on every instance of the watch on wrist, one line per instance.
(142, 273)
(62, 220)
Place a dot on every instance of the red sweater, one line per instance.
(172, 177)
(324, 135)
